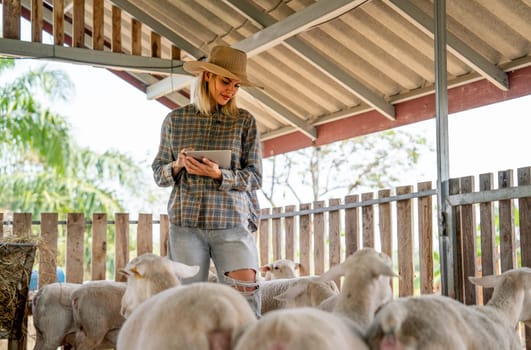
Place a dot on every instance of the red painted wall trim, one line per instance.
(462, 98)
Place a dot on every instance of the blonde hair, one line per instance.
(201, 98)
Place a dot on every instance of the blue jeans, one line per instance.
(230, 249)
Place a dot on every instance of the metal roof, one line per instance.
(331, 69)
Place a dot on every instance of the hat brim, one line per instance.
(197, 67)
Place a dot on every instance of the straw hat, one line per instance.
(224, 61)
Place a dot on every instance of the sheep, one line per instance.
(304, 328)
(440, 322)
(283, 268)
(52, 316)
(309, 292)
(201, 315)
(96, 310)
(366, 286)
(148, 275)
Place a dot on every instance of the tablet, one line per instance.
(222, 157)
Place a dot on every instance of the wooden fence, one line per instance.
(493, 233)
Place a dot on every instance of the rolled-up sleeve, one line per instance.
(249, 177)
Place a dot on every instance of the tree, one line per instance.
(368, 162)
(41, 166)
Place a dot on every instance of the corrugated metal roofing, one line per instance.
(324, 61)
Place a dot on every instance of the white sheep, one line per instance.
(148, 275)
(199, 316)
(302, 328)
(52, 316)
(283, 268)
(440, 322)
(96, 311)
(366, 286)
(307, 291)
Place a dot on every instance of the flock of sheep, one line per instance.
(152, 310)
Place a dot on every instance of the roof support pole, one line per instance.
(447, 233)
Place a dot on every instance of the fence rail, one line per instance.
(493, 233)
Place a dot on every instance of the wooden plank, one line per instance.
(425, 215)
(385, 223)
(21, 224)
(454, 188)
(78, 19)
(175, 53)
(36, 21)
(99, 246)
(524, 205)
(164, 233)
(136, 37)
(507, 227)
(1, 225)
(58, 22)
(289, 223)
(468, 223)
(11, 11)
(75, 247)
(352, 228)
(318, 239)
(116, 29)
(98, 36)
(156, 46)
(305, 229)
(488, 234)
(404, 229)
(48, 249)
(276, 227)
(334, 236)
(121, 244)
(367, 219)
(263, 235)
(144, 234)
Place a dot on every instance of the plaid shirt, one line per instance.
(200, 201)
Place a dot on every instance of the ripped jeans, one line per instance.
(230, 250)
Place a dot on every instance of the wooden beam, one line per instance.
(11, 19)
(116, 29)
(98, 37)
(36, 21)
(78, 35)
(155, 45)
(136, 37)
(58, 23)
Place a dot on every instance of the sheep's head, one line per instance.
(283, 268)
(150, 274)
(514, 283)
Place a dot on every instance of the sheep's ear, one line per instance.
(297, 266)
(486, 281)
(290, 293)
(333, 273)
(183, 270)
(124, 272)
(265, 268)
(385, 270)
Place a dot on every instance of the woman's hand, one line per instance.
(179, 163)
(205, 167)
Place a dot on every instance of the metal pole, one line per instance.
(445, 217)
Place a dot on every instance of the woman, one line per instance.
(213, 211)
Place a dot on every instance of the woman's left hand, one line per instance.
(204, 168)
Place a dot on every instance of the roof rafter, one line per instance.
(250, 11)
(465, 53)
